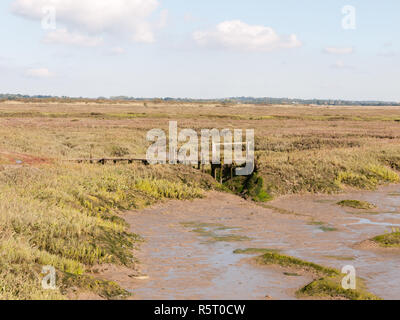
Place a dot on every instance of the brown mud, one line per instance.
(188, 248)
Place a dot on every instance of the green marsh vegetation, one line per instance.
(300, 149)
(356, 204)
(326, 283)
(254, 251)
(214, 232)
(389, 239)
(69, 216)
(322, 226)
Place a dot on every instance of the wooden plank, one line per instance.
(104, 160)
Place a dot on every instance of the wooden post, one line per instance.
(214, 171)
(91, 151)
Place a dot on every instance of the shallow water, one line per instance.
(369, 222)
(183, 263)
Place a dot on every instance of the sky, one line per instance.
(201, 49)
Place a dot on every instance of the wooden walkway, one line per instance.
(109, 160)
(217, 170)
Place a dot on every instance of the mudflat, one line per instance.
(189, 246)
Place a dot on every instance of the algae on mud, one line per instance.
(331, 287)
(212, 232)
(388, 240)
(254, 251)
(356, 204)
(326, 283)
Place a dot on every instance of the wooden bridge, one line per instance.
(217, 170)
(220, 168)
(109, 160)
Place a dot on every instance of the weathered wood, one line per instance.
(105, 160)
(200, 166)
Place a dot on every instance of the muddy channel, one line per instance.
(188, 252)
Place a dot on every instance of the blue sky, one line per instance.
(201, 49)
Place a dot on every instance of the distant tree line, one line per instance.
(231, 100)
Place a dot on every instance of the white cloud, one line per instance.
(63, 36)
(241, 36)
(96, 16)
(337, 50)
(38, 73)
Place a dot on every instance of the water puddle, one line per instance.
(373, 223)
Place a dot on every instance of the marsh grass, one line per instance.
(357, 204)
(316, 223)
(322, 226)
(214, 232)
(327, 281)
(341, 258)
(228, 238)
(250, 187)
(68, 216)
(103, 288)
(281, 210)
(328, 171)
(255, 251)
(291, 274)
(299, 149)
(331, 287)
(388, 240)
(273, 258)
(328, 229)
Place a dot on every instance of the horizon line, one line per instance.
(132, 98)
